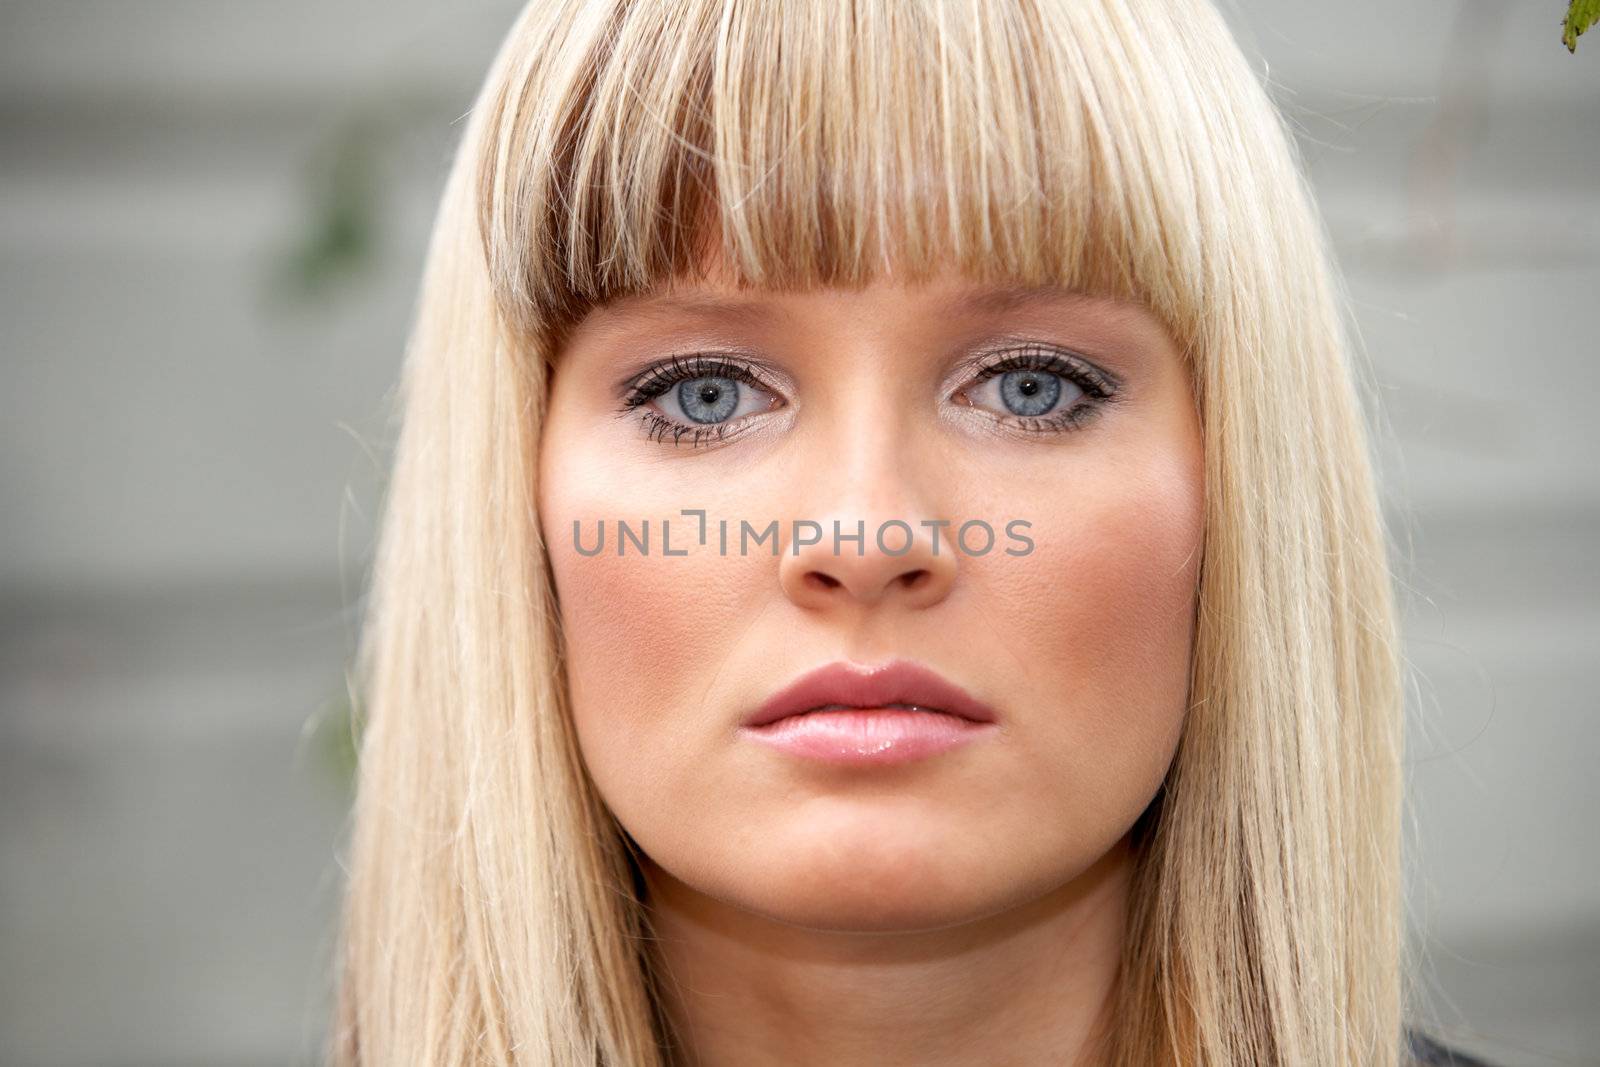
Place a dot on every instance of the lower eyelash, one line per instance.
(1098, 392)
(1070, 419)
(658, 426)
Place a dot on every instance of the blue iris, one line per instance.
(708, 399)
(1029, 392)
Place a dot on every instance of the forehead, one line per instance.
(910, 320)
(949, 296)
(714, 296)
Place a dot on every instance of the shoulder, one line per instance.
(1426, 1052)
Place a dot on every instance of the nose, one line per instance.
(910, 561)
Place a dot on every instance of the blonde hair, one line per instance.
(1118, 146)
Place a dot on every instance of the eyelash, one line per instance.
(1098, 392)
(663, 376)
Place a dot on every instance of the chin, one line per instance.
(848, 910)
(870, 884)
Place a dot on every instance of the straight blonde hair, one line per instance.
(1123, 147)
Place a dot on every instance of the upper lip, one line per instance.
(857, 686)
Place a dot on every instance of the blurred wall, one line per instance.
(204, 292)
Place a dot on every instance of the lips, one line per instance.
(846, 685)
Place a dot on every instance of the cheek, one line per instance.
(644, 634)
(1107, 621)
(647, 636)
(1130, 571)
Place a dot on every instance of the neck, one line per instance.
(1030, 984)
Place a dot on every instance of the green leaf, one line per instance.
(1581, 14)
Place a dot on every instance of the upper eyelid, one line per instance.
(968, 367)
(1012, 347)
(758, 368)
(1083, 373)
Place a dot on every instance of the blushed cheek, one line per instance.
(1144, 585)
(624, 619)
(1104, 612)
(646, 635)
(1134, 612)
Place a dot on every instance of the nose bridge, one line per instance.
(871, 464)
(873, 440)
(871, 521)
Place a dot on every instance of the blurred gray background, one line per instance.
(212, 219)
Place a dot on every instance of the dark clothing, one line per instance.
(1426, 1052)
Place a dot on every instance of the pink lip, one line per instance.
(866, 729)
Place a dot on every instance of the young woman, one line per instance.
(882, 564)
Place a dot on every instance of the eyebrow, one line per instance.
(992, 300)
(749, 312)
(1002, 298)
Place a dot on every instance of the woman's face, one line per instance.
(1063, 422)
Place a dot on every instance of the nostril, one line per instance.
(820, 580)
(913, 578)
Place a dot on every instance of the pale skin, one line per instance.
(968, 907)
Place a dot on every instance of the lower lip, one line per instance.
(870, 736)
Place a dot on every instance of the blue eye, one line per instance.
(706, 400)
(1027, 392)
(1040, 389)
(698, 398)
